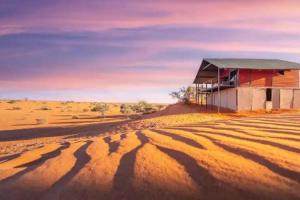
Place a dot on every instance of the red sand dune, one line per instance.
(178, 153)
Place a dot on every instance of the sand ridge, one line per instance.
(218, 156)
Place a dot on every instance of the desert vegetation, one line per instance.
(102, 108)
(16, 108)
(45, 108)
(175, 153)
(184, 94)
(126, 109)
(41, 121)
(12, 101)
(140, 108)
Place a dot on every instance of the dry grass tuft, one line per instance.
(41, 121)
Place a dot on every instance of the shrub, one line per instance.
(140, 106)
(75, 117)
(12, 101)
(41, 121)
(66, 102)
(16, 108)
(144, 108)
(101, 107)
(149, 109)
(85, 110)
(126, 109)
(45, 108)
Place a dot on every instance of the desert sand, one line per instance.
(181, 152)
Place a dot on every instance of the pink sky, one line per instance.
(84, 48)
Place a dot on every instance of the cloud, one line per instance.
(135, 45)
(61, 15)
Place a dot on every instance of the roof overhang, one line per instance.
(209, 67)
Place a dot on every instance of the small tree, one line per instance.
(125, 109)
(101, 107)
(139, 107)
(183, 94)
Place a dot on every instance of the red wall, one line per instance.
(269, 78)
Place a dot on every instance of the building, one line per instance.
(248, 84)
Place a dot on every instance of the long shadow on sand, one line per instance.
(123, 179)
(74, 131)
(265, 122)
(9, 157)
(245, 132)
(211, 188)
(36, 163)
(266, 142)
(255, 158)
(179, 138)
(246, 124)
(112, 145)
(82, 158)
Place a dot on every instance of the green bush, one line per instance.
(143, 107)
(183, 94)
(126, 109)
(149, 109)
(140, 107)
(100, 107)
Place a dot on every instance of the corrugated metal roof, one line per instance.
(252, 63)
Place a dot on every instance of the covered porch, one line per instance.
(211, 79)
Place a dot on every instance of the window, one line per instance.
(269, 94)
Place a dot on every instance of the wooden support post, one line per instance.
(196, 95)
(206, 95)
(238, 78)
(219, 94)
(201, 95)
(211, 93)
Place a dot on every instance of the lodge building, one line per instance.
(248, 84)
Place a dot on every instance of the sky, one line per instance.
(131, 50)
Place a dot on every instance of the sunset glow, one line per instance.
(132, 50)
